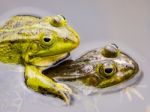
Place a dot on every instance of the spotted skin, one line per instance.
(38, 43)
(96, 69)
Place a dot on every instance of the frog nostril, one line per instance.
(66, 38)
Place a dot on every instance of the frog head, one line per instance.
(56, 37)
(116, 66)
(103, 67)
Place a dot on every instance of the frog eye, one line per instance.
(58, 21)
(106, 70)
(47, 39)
(110, 51)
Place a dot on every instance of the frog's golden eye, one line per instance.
(47, 39)
(106, 70)
(58, 21)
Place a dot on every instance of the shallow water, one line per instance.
(16, 97)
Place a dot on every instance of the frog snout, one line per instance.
(73, 36)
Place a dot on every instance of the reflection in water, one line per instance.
(129, 90)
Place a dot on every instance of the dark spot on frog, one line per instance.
(95, 58)
(10, 57)
(65, 39)
(12, 42)
(68, 67)
(17, 25)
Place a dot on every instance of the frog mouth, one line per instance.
(60, 61)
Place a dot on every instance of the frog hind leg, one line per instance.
(39, 82)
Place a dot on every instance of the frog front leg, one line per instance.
(41, 83)
(36, 80)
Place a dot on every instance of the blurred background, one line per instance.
(124, 22)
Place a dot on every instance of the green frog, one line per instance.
(101, 68)
(38, 43)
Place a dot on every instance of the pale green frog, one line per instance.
(38, 43)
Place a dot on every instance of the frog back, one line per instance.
(20, 21)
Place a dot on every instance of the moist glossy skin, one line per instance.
(38, 43)
(101, 68)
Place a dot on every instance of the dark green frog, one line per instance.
(101, 68)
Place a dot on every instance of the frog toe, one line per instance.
(65, 88)
(66, 97)
(64, 92)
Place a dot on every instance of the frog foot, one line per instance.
(58, 89)
(43, 84)
(64, 92)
